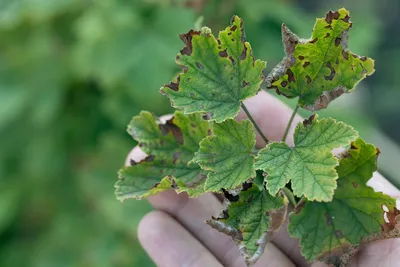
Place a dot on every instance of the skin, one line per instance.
(174, 234)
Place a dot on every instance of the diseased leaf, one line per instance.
(310, 164)
(326, 230)
(319, 69)
(217, 73)
(251, 218)
(228, 155)
(170, 146)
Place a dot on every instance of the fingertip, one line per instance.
(151, 226)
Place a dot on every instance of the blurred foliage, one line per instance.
(73, 73)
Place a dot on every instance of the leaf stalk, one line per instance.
(289, 125)
(290, 196)
(254, 123)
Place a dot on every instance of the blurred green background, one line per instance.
(73, 73)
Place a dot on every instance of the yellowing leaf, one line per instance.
(228, 155)
(326, 230)
(251, 218)
(319, 69)
(170, 145)
(310, 164)
(217, 73)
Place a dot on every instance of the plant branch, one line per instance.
(290, 196)
(254, 123)
(290, 123)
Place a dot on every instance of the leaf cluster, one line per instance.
(202, 148)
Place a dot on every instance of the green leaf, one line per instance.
(217, 73)
(326, 230)
(228, 155)
(170, 146)
(310, 164)
(251, 218)
(319, 69)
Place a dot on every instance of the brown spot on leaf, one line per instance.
(306, 64)
(331, 16)
(337, 41)
(333, 72)
(290, 74)
(328, 219)
(327, 35)
(170, 127)
(309, 121)
(174, 86)
(308, 79)
(393, 218)
(155, 185)
(355, 185)
(378, 152)
(353, 146)
(233, 61)
(209, 132)
(250, 199)
(313, 41)
(223, 53)
(345, 54)
(363, 58)
(246, 186)
(244, 53)
(187, 40)
(198, 64)
(244, 84)
(346, 19)
(284, 83)
(230, 197)
(132, 162)
(301, 57)
(329, 27)
(233, 28)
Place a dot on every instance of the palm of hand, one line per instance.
(176, 235)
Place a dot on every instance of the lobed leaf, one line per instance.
(310, 164)
(228, 155)
(319, 69)
(327, 230)
(217, 73)
(251, 218)
(170, 145)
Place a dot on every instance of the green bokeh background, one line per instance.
(73, 73)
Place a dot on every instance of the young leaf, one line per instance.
(251, 218)
(217, 73)
(310, 164)
(228, 155)
(319, 69)
(170, 145)
(326, 230)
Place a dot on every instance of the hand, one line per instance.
(176, 234)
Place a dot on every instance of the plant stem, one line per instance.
(290, 123)
(290, 196)
(254, 123)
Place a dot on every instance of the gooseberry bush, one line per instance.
(202, 148)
